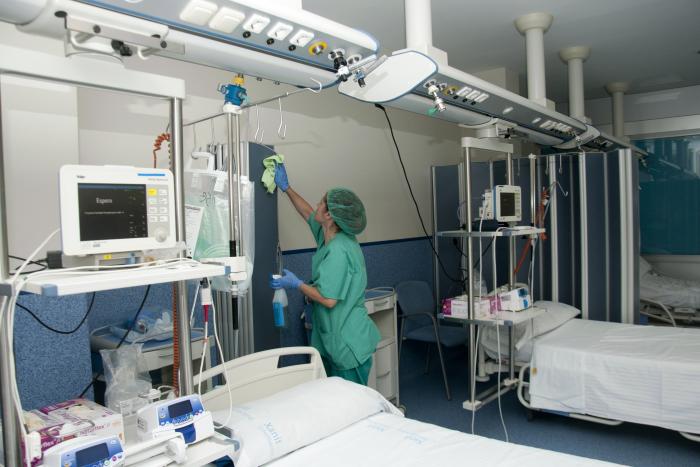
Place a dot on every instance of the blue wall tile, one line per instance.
(51, 367)
(388, 263)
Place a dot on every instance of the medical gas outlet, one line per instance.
(434, 90)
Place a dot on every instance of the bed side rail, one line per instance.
(259, 375)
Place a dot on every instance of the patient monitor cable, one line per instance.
(60, 331)
(410, 190)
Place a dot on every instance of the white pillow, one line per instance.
(644, 266)
(296, 417)
(557, 314)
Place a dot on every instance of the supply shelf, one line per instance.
(61, 284)
(507, 232)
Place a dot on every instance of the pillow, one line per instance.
(296, 417)
(644, 266)
(557, 314)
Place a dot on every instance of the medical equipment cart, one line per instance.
(105, 76)
(486, 150)
(384, 375)
(509, 320)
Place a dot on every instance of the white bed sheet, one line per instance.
(669, 290)
(640, 374)
(389, 440)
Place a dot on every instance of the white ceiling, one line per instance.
(653, 44)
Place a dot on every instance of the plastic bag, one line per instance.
(208, 190)
(127, 378)
(154, 323)
(478, 284)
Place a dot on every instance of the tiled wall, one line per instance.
(388, 263)
(52, 368)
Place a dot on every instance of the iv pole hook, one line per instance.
(282, 130)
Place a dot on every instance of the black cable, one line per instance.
(398, 152)
(121, 341)
(59, 331)
(478, 260)
(38, 262)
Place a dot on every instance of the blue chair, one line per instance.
(419, 323)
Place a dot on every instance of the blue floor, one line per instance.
(630, 444)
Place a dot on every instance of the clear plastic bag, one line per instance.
(127, 378)
(154, 323)
(208, 189)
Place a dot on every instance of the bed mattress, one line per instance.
(640, 374)
(389, 440)
(669, 290)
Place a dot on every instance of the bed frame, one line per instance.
(524, 398)
(656, 310)
(259, 375)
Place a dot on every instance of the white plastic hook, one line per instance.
(560, 167)
(282, 129)
(320, 86)
(258, 130)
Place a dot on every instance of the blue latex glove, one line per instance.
(287, 281)
(281, 177)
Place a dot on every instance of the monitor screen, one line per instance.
(507, 204)
(112, 211)
(89, 456)
(179, 409)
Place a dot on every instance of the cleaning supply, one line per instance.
(268, 177)
(279, 305)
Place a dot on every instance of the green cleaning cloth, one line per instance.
(268, 177)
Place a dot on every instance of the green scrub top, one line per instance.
(345, 334)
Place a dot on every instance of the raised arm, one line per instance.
(300, 204)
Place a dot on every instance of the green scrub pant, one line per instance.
(358, 374)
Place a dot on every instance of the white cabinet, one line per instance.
(384, 375)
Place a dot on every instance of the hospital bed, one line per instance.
(608, 372)
(668, 299)
(288, 416)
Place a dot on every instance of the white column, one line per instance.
(419, 24)
(617, 90)
(574, 57)
(533, 26)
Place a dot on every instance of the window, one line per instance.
(669, 200)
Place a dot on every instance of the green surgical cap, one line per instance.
(347, 210)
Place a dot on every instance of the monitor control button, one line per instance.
(161, 235)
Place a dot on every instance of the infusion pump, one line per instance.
(110, 209)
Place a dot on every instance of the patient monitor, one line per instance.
(503, 204)
(109, 209)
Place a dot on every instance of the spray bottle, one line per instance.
(279, 306)
(279, 299)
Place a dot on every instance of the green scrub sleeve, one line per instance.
(334, 275)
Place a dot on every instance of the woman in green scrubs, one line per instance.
(342, 332)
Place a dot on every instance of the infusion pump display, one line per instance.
(109, 209)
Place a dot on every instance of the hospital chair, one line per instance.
(419, 323)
